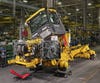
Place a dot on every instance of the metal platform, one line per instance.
(83, 71)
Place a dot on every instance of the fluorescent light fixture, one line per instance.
(25, 1)
(1, 12)
(69, 13)
(89, 14)
(89, 4)
(59, 3)
(77, 9)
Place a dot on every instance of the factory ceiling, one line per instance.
(10, 10)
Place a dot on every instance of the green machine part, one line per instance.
(9, 51)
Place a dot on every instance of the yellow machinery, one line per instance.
(48, 43)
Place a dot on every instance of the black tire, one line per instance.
(33, 69)
(70, 72)
(92, 57)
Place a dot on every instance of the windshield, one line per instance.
(53, 18)
(41, 19)
(38, 21)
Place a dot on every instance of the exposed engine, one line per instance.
(49, 43)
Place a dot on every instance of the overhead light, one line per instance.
(89, 4)
(77, 9)
(5, 33)
(25, 1)
(89, 14)
(69, 13)
(59, 3)
(1, 12)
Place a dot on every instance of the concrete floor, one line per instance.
(85, 71)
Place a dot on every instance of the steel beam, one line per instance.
(85, 14)
(99, 18)
(19, 4)
(50, 3)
